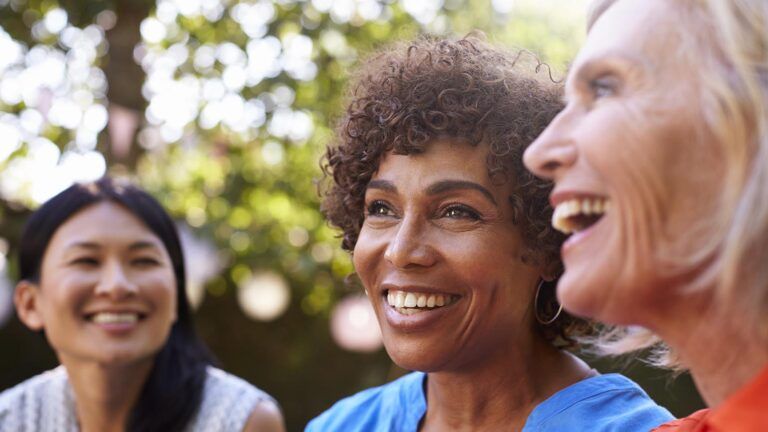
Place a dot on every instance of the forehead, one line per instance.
(636, 29)
(102, 223)
(439, 157)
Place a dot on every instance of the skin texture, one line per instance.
(266, 417)
(630, 132)
(105, 259)
(633, 131)
(102, 259)
(429, 221)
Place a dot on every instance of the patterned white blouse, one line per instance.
(46, 403)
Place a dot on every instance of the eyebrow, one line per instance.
(95, 246)
(384, 185)
(451, 185)
(628, 61)
(83, 245)
(437, 188)
(142, 245)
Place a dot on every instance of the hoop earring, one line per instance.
(536, 308)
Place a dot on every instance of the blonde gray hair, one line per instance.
(730, 41)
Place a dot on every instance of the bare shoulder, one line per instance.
(265, 417)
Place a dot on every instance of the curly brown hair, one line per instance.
(404, 98)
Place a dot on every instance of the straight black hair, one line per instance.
(173, 391)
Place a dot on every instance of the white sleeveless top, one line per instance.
(46, 403)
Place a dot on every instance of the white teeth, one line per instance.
(399, 299)
(115, 318)
(577, 206)
(409, 303)
(410, 300)
(421, 301)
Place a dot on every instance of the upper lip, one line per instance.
(415, 289)
(559, 196)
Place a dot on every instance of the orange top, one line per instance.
(745, 411)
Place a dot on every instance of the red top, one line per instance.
(745, 411)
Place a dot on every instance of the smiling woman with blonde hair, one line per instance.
(668, 131)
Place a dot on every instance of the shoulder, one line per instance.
(266, 417)
(606, 403)
(220, 383)
(44, 399)
(229, 402)
(32, 388)
(375, 408)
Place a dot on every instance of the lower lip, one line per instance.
(579, 237)
(116, 329)
(417, 321)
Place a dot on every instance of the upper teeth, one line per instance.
(110, 318)
(402, 299)
(578, 206)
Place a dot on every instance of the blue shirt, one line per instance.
(604, 403)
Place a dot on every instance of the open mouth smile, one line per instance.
(410, 303)
(578, 214)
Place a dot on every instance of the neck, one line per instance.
(500, 393)
(721, 351)
(105, 395)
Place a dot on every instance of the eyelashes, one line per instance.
(603, 86)
(460, 211)
(379, 208)
(95, 262)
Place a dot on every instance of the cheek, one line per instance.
(364, 258)
(160, 287)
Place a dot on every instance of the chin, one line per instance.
(415, 357)
(601, 300)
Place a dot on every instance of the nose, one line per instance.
(553, 151)
(114, 282)
(410, 247)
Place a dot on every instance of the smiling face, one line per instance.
(107, 291)
(440, 259)
(631, 162)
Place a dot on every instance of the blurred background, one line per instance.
(221, 109)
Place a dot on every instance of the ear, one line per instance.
(551, 271)
(26, 299)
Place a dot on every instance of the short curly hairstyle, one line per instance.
(410, 95)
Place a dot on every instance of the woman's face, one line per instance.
(107, 291)
(441, 260)
(637, 178)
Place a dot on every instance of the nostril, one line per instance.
(550, 166)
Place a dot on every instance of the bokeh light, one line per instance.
(264, 296)
(354, 326)
(202, 262)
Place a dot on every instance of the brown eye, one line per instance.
(145, 261)
(85, 261)
(379, 208)
(458, 211)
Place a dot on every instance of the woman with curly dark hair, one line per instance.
(450, 237)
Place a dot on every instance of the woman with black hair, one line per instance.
(102, 275)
